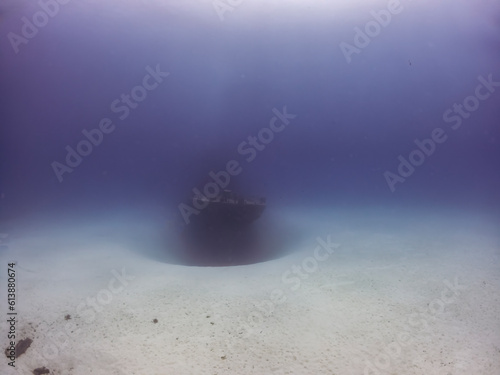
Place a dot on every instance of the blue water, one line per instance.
(353, 120)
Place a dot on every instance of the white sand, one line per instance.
(380, 303)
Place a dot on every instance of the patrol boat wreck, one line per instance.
(222, 232)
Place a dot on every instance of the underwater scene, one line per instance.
(250, 187)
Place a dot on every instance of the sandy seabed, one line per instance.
(363, 292)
